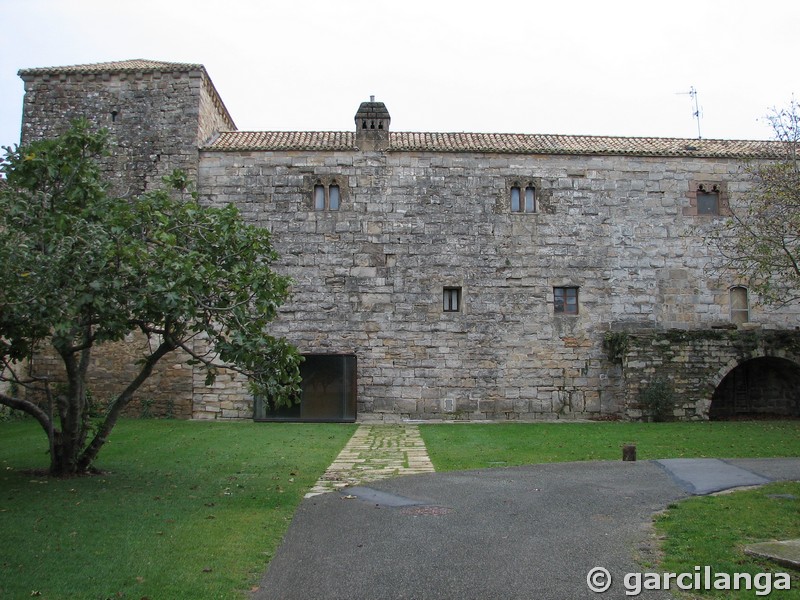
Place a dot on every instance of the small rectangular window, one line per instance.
(707, 203)
(451, 299)
(566, 300)
(740, 308)
(707, 199)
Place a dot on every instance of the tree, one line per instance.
(761, 239)
(79, 269)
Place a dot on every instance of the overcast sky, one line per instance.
(601, 67)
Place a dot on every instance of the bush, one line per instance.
(658, 399)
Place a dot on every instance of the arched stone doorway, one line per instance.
(759, 387)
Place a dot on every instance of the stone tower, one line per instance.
(157, 114)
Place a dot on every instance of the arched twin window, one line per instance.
(523, 199)
(326, 197)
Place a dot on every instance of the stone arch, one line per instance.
(761, 385)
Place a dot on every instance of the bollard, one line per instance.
(629, 452)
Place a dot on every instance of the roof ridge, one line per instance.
(494, 134)
(577, 136)
(129, 65)
(517, 134)
(295, 131)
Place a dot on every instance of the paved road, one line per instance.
(527, 532)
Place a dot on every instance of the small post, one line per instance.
(629, 452)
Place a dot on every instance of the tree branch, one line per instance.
(29, 408)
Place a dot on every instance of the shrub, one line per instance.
(658, 399)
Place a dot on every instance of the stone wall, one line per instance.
(228, 397)
(213, 117)
(369, 277)
(694, 363)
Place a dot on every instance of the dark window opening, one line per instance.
(707, 203)
(319, 197)
(451, 299)
(333, 197)
(707, 199)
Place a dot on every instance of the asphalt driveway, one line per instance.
(531, 532)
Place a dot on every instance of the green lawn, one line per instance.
(458, 446)
(713, 530)
(185, 510)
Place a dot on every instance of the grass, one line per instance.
(185, 510)
(456, 447)
(713, 530)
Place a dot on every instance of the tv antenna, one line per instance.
(696, 114)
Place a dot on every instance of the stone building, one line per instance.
(457, 275)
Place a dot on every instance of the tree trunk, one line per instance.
(67, 442)
(90, 453)
(63, 461)
(72, 406)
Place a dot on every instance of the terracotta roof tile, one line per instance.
(498, 143)
(577, 144)
(283, 140)
(123, 66)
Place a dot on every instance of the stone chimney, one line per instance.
(372, 125)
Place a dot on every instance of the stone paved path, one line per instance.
(376, 452)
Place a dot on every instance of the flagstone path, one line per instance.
(376, 452)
